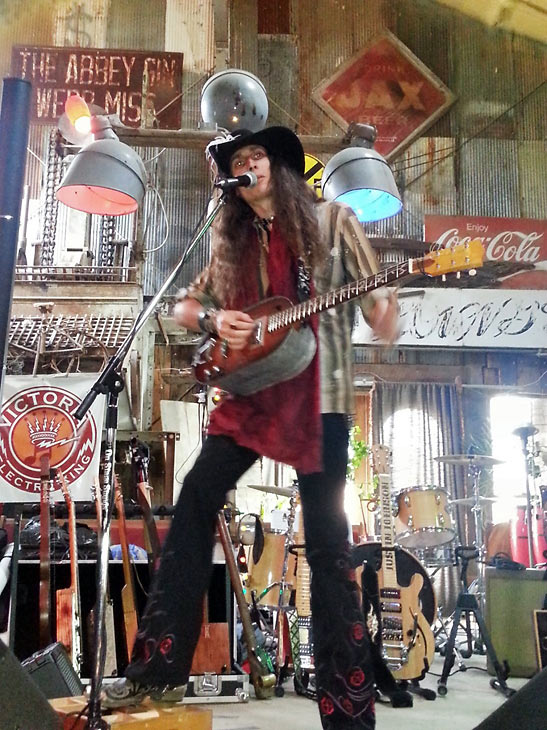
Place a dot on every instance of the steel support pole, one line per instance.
(14, 125)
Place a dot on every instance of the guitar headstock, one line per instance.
(64, 487)
(380, 458)
(140, 454)
(463, 257)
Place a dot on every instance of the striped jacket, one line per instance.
(350, 257)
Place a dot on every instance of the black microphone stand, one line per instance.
(110, 383)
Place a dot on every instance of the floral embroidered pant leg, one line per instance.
(169, 629)
(343, 665)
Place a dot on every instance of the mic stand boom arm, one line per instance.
(110, 383)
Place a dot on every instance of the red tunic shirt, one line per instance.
(282, 422)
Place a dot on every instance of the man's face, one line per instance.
(252, 158)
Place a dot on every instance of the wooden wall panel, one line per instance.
(242, 34)
(329, 33)
(278, 71)
(274, 16)
(148, 33)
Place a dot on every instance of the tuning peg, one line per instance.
(443, 277)
(472, 272)
(458, 274)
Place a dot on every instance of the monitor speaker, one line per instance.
(512, 596)
(24, 706)
(52, 670)
(527, 708)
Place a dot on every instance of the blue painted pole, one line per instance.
(14, 125)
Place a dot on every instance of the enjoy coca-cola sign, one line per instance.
(508, 240)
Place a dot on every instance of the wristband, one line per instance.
(207, 321)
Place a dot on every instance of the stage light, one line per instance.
(106, 177)
(234, 99)
(78, 113)
(360, 177)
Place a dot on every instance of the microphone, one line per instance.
(248, 180)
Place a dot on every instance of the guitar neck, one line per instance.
(353, 290)
(302, 600)
(128, 590)
(69, 629)
(388, 561)
(45, 557)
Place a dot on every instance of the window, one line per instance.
(508, 412)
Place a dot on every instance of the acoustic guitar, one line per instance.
(69, 612)
(280, 348)
(408, 643)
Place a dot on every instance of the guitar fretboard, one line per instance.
(333, 298)
(389, 568)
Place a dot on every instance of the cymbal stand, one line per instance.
(524, 433)
(476, 509)
(289, 539)
(283, 586)
(467, 604)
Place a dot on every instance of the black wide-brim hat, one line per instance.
(279, 142)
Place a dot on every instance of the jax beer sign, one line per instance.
(36, 419)
(142, 88)
(507, 240)
(385, 84)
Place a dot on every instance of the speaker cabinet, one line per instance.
(52, 670)
(512, 596)
(24, 706)
(526, 709)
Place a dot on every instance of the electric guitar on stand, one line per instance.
(45, 552)
(303, 604)
(140, 455)
(408, 643)
(69, 611)
(130, 619)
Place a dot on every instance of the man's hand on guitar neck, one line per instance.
(384, 317)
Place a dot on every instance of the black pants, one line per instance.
(170, 626)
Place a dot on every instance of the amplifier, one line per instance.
(52, 671)
(512, 596)
(23, 705)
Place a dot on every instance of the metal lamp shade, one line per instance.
(107, 177)
(234, 99)
(361, 178)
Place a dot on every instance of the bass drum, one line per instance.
(406, 565)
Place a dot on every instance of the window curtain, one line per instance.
(417, 422)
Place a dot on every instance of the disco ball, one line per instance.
(234, 99)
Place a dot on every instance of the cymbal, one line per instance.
(468, 459)
(470, 501)
(524, 432)
(281, 491)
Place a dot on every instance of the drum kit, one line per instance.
(425, 520)
(425, 526)
(271, 574)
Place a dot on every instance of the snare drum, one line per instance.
(423, 518)
(266, 574)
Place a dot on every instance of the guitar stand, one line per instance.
(467, 604)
